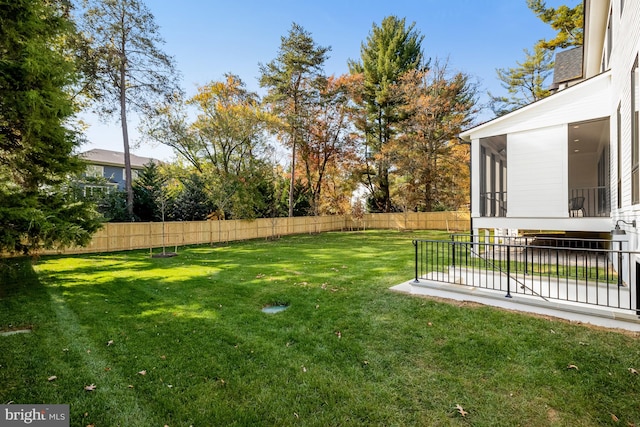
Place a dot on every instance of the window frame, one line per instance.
(635, 135)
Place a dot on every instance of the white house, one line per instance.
(569, 162)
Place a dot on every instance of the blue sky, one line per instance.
(208, 38)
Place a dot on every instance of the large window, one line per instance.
(635, 137)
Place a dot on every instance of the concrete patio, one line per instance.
(575, 312)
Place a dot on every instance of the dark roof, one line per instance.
(568, 66)
(114, 158)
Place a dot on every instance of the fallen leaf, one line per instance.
(429, 324)
(130, 386)
(461, 411)
(89, 351)
(110, 342)
(169, 385)
(143, 372)
(296, 415)
(107, 369)
(91, 387)
(91, 425)
(163, 357)
(614, 418)
(552, 331)
(573, 367)
(52, 377)
(633, 371)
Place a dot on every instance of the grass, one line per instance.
(347, 351)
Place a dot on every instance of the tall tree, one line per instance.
(291, 80)
(433, 168)
(330, 145)
(526, 82)
(130, 71)
(37, 207)
(231, 144)
(390, 50)
(567, 21)
(226, 143)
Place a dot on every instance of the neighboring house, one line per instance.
(109, 165)
(569, 162)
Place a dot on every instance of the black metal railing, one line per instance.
(589, 202)
(493, 203)
(587, 271)
(541, 239)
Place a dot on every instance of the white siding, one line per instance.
(537, 173)
(475, 178)
(537, 177)
(624, 53)
(585, 101)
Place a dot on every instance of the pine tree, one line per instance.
(526, 82)
(37, 205)
(149, 194)
(128, 69)
(291, 81)
(390, 50)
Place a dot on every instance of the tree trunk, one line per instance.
(125, 140)
(293, 177)
(384, 188)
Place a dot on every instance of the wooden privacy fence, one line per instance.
(140, 235)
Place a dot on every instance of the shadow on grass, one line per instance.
(347, 351)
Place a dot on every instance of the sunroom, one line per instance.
(546, 165)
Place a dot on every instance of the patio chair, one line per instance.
(576, 207)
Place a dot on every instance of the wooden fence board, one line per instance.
(136, 235)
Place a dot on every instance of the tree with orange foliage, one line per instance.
(432, 170)
(328, 151)
(226, 144)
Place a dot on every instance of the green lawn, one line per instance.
(347, 351)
